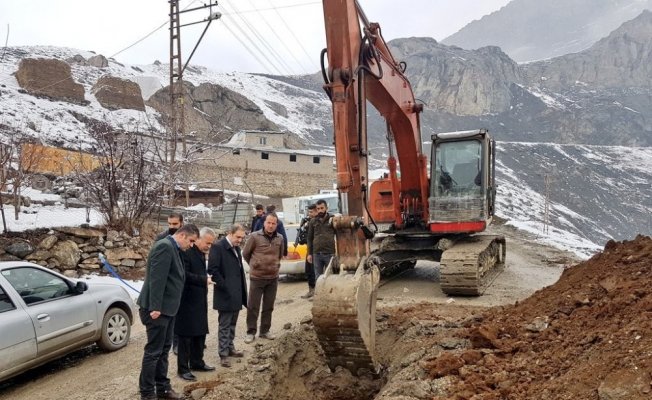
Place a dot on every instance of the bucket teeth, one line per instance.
(344, 315)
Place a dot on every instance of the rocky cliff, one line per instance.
(116, 93)
(49, 78)
(213, 111)
(529, 30)
(458, 81)
(599, 96)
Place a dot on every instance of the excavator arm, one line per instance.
(361, 68)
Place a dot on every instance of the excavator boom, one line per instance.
(361, 69)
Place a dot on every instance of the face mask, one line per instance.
(172, 231)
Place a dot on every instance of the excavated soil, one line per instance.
(588, 336)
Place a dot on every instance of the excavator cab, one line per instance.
(462, 182)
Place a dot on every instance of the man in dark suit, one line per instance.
(175, 221)
(191, 322)
(230, 291)
(159, 302)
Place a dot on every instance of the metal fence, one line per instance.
(218, 218)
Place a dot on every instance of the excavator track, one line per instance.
(344, 316)
(472, 264)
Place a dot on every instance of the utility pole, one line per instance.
(546, 207)
(177, 117)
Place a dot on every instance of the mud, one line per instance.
(533, 335)
(588, 336)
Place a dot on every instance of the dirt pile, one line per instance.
(589, 336)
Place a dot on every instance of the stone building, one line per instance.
(260, 162)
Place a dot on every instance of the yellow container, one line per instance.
(298, 253)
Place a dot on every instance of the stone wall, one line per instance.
(264, 182)
(75, 251)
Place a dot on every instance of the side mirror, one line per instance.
(81, 287)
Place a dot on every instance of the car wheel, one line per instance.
(116, 328)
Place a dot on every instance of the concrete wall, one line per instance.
(265, 139)
(276, 161)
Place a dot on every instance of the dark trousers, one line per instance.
(264, 289)
(320, 261)
(154, 370)
(226, 332)
(310, 274)
(191, 353)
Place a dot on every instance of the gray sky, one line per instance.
(288, 34)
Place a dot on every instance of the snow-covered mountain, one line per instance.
(529, 30)
(301, 111)
(594, 193)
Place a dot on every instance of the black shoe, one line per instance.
(188, 376)
(169, 394)
(151, 396)
(204, 367)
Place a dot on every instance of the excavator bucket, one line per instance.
(344, 315)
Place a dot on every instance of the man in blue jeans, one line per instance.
(159, 302)
(321, 239)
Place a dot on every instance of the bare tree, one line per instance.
(20, 155)
(5, 159)
(126, 185)
(28, 154)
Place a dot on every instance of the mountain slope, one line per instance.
(530, 30)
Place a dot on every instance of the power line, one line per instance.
(266, 44)
(249, 50)
(290, 52)
(292, 32)
(262, 53)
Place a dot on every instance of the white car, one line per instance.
(44, 315)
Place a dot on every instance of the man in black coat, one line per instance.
(191, 323)
(230, 290)
(159, 302)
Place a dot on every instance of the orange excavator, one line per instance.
(419, 210)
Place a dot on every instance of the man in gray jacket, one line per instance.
(263, 252)
(159, 302)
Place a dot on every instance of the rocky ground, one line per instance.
(586, 335)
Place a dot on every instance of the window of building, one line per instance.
(315, 160)
(293, 158)
(264, 156)
(262, 140)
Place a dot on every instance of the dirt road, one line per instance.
(91, 374)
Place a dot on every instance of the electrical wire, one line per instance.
(261, 40)
(280, 40)
(253, 43)
(280, 17)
